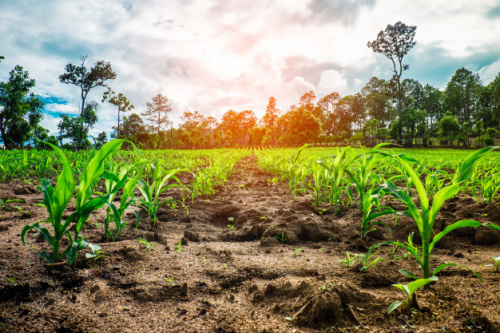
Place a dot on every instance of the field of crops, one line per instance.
(250, 240)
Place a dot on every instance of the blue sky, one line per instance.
(216, 55)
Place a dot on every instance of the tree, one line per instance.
(395, 42)
(461, 96)
(86, 79)
(121, 102)
(157, 111)
(20, 109)
(270, 118)
(378, 98)
(330, 109)
(239, 123)
(449, 128)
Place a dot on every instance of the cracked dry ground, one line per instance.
(281, 260)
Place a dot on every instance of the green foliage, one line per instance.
(373, 210)
(151, 192)
(55, 200)
(149, 246)
(366, 258)
(496, 264)
(426, 215)
(409, 290)
(20, 109)
(335, 174)
(115, 181)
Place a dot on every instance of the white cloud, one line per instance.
(332, 80)
(489, 72)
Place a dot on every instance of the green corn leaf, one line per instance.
(468, 165)
(408, 273)
(456, 225)
(44, 255)
(403, 288)
(110, 176)
(422, 194)
(415, 285)
(438, 201)
(491, 225)
(394, 306)
(64, 189)
(92, 171)
(412, 251)
(449, 264)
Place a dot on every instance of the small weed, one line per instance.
(349, 261)
(178, 248)
(96, 252)
(496, 264)
(149, 246)
(298, 251)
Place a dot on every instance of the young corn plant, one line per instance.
(55, 200)
(496, 264)
(151, 193)
(317, 185)
(362, 173)
(409, 290)
(372, 210)
(366, 258)
(113, 183)
(335, 175)
(489, 187)
(426, 216)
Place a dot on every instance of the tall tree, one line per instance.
(86, 79)
(121, 102)
(20, 109)
(270, 118)
(378, 96)
(329, 106)
(395, 42)
(462, 95)
(157, 111)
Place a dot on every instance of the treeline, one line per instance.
(466, 113)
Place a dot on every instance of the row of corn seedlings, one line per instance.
(151, 178)
(375, 173)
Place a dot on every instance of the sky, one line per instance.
(215, 55)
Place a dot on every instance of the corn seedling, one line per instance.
(113, 183)
(149, 246)
(489, 187)
(317, 185)
(362, 173)
(366, 258)
(55, 200)
(96, 252)
(178, 247)
(426, 216)
(151, 193)
(371, 211)
(496, 264)
(335, 175)
(348, 261)
(4, 205)
(298, 251)
(409, 290)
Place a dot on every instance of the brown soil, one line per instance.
(280, 262)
